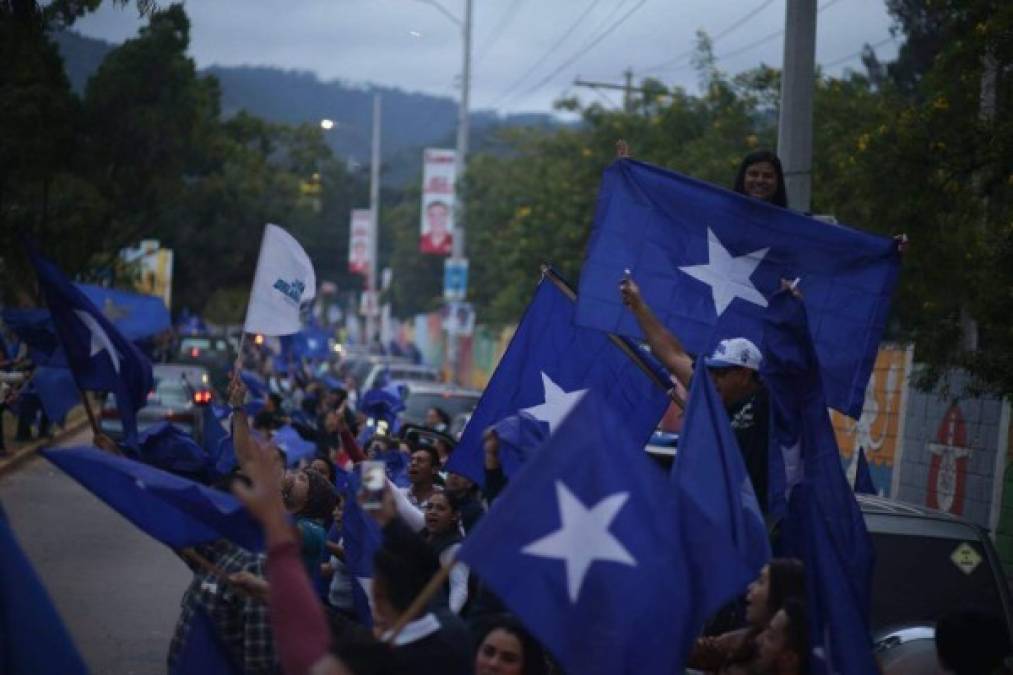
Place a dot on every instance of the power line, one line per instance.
(845, 59)
(748, 47)
(552, 50)
(588, 47)
(497, 32)
(736, 24)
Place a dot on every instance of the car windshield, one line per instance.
(918, 578)
(454, 404)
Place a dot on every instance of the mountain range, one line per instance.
(410, 121)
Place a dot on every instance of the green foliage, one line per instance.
(145, 153)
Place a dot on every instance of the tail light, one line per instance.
(194, 352)
(110, 414)
(202, 397)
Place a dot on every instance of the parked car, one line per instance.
(214, 352)
(399, 372)
(422, 396)
(927, 563)
(181, 390)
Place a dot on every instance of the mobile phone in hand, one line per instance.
(374, 480)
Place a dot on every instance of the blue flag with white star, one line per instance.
(174, 510)
(100, 357)
(713, 487)
(586, 548)
(802, 434)
(707, 261)
(548, 365)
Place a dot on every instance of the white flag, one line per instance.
(284, 280)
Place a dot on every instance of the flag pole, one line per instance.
(256, 273)
(87, 409)
(569, 292)
(421, 600)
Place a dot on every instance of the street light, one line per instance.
(326, 124)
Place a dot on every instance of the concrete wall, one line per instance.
(954, 452)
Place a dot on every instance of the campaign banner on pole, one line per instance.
(358, 243)
(438, 176)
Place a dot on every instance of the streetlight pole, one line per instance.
(461, 157)
(798, 80)
(374, 224)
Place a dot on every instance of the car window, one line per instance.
(414, 374)
(916, 578)
(418, 403)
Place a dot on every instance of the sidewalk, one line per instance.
(18, 453)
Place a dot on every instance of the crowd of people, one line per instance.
(303, 605)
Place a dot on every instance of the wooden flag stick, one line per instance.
(420, 601)
(92, 420)
(624, 346)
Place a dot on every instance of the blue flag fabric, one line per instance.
(730, 544)
(839, 635)
(800, 426)
(34, 327)
(295, 447)
(101, 358)
(309, 343)
(362, 538)
(213, 430)
(255, 384)
(137, 316)
(33, 639)
(396, 465)
(203, 652)
(56, 390)
(167, 447)
(863, 477)
(585, 546)
(176, 511)
(707, 260)
(519, 436)
(547, 366)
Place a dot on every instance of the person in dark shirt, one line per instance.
(734, 367)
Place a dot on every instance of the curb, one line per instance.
(23, 454)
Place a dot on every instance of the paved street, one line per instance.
(117, 589)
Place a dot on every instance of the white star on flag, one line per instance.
(728, 275)
(583, 537)
(99, 338)
(557, 405)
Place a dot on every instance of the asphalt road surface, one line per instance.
(117, 589)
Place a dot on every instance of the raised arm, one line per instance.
(240, 424)
(664, 345)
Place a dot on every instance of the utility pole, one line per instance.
(460, 166)
(629, 105)
(795, 123)
(461, 159)
(374, 224)
(628, 91)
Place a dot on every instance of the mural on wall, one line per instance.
(947, 479)
(881, 425)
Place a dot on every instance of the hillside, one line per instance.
(410, 121)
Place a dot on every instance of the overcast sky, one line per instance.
(521, 48)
